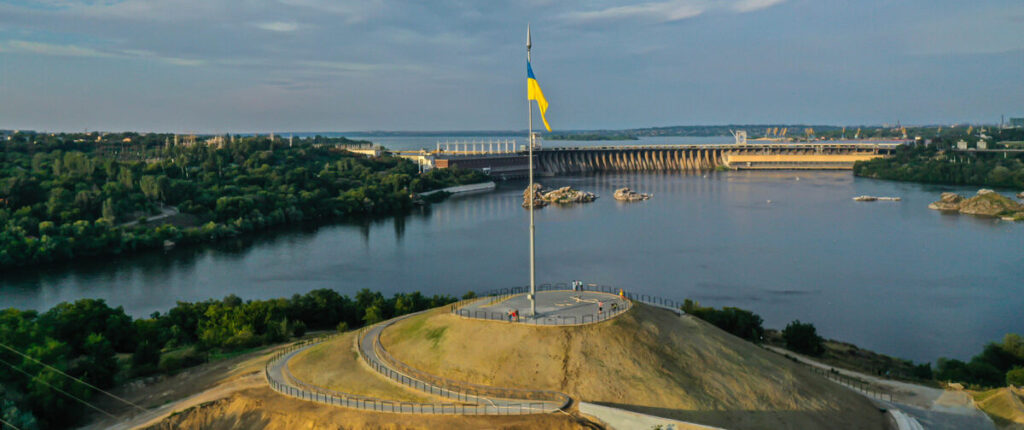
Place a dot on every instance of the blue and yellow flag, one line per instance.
(533, 92)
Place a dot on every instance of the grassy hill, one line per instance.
(648, 360)
(1004, 405)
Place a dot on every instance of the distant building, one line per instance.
(982, 144)
(961, 144)
(1017, 122)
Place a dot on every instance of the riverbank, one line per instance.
(83, 203)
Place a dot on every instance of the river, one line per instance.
(893, 277)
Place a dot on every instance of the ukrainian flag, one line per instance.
(533, 92)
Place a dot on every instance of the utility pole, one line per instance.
(533, 229)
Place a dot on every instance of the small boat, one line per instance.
(873, 198)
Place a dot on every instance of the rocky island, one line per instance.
(985, 203)
(627, 195)
(562, 196)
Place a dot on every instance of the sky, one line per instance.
(215, 66)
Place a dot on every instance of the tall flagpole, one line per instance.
(533, 255)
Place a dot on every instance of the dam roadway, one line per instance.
(753, 155)
(820, 156)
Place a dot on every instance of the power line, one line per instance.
(9, 424)
(72, 377)
(58, 389)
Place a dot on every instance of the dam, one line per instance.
(509, 160)
(661, 158)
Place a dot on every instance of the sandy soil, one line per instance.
(262, 408)
(233, 394)
(647, 360)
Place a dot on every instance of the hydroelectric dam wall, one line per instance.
(584, 159)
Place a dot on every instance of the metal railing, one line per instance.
(857, 385)
(288, 385)
(462, 390)
(500, 294)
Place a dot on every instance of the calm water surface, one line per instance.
(890, 276)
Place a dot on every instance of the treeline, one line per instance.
(103, 346)
(739, 322)
(59, 203)
(998, 364)
(935, 163)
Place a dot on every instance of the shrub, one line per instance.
(739, 322)
(1015, 377)
(342, 327)
(299, 329)
(803, 338)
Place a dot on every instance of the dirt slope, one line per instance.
(648, 360)
(261, 408)
(1005, 406)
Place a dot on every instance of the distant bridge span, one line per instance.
(584, 159)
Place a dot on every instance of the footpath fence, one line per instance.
(500, 294)
(465, 389)
(281, 380)
(854, 384)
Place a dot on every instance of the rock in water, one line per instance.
(1020, 195)
(990, 204)
(538, 197)
(948, 202)
(627, 195)
(986, 203)
(562, 196)
(566, 195)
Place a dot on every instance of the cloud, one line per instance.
(278, 26)
(69, 50)
(656, 11)
(744, 6)
(668, 11)
(25, 46)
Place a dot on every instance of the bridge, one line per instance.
(508, 160)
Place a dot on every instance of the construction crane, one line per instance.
(857, 135)
(809, 132)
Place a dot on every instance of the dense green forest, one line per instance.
(65, 196)
(104, 346)
(938, 163)
(998, 364)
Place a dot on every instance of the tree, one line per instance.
(1015, 377)
(803, 338)
(99, 365)
(109, 211)
(373, 315)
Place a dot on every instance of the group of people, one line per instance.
(513, 315)
(577, 285)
